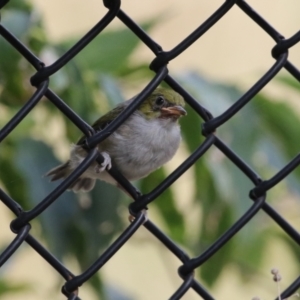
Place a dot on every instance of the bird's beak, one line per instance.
(173, 111)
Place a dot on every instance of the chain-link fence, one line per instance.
(40, 80)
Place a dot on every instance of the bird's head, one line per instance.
(163, 104)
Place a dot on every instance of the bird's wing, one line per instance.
(106, 119)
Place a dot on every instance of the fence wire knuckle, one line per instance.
(40, 80)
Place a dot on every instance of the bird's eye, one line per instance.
(160, 100)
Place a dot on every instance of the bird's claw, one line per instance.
(106, 164)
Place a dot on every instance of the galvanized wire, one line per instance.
(21, 225)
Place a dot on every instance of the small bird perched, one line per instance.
(144, 142)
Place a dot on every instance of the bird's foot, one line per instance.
(106, 164)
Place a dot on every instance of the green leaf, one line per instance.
(217, 221)
(109, 51)
(18, 5)
(282, 123)
(10, 175)
(191, 129)
(251, 254)
(289, 81)
(16, 21)
(14, 79)
(166, 205)
(100, 221)
(221, 188)
(69, 226)
(280, 120)
(110, 88)
(7, 287)
(33, 160)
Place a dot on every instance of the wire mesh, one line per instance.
(40, 80)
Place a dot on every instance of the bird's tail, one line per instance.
(61, 171)
(84, 184)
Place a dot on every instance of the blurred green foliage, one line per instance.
(83, 225)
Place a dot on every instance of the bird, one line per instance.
(145, 141)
